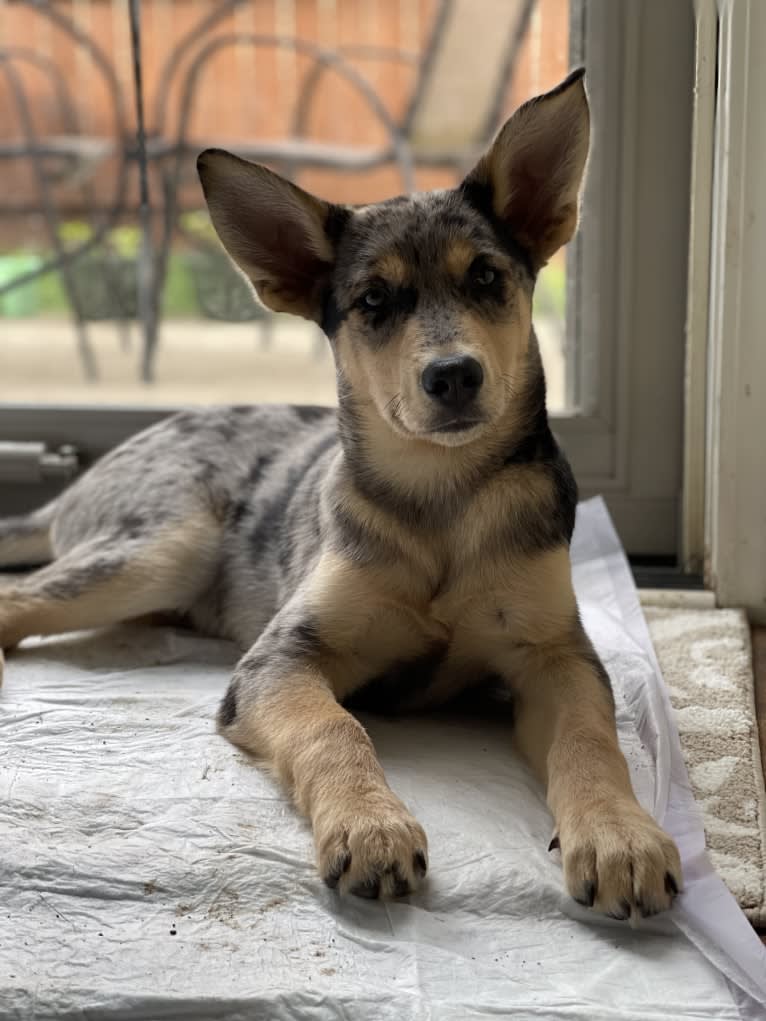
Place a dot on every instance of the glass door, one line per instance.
(117, 304)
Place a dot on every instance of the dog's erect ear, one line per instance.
(532, 174)
(273, 230)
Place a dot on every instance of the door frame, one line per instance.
(735, 506)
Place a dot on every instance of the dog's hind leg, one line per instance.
(112, 578)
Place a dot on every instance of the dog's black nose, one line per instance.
(453, 382)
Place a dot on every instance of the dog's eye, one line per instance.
(374, 297)
(484, 275)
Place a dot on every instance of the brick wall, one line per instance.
(244, 92)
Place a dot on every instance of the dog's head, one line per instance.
(426, 299)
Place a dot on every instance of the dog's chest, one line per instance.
(426, 655)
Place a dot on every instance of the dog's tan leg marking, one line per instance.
(105, 581)
(616, 858)
(346, 625)
(367, 842)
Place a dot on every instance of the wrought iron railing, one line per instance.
(99, 281)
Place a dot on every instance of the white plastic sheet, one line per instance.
(148, 870)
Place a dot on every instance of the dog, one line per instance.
(403, 549)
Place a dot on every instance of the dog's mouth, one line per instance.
(456, 425)
(444, 429)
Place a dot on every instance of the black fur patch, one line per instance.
(403, 683)
(478, 194)
(132, 526)
(304, 638)
(239, 510)
(491, 698)
(566, 490)
(226, 429)
(227, 711)
(270, 526)
(311, 413)
(358, 543)
(303, 480)
(397, 305)
(98, 567)
(258, 467)
(333, 316)
(335, 223)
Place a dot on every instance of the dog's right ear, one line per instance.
(274, 231)
(532, 175)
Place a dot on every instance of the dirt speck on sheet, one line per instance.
(224, 907)
(274, 902)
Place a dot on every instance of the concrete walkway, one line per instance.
(199, 362)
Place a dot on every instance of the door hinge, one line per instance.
(34, 463)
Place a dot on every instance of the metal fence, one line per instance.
(87, 138)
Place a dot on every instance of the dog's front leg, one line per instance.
(615, 856)
(281, 707)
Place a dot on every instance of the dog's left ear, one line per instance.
(531, 176)
(274, 231)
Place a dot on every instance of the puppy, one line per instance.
(398, 551)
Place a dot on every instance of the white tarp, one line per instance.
(148, 870)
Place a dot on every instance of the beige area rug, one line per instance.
(706, 659)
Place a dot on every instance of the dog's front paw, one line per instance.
(371, 847)
(618, 861)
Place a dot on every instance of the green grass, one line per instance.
(550, 294)
(45, 296)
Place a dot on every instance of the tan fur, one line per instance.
(565, 728)
(389, 395)
(517, 614)
(326, 759)
(392, 268)
(169, 573)
(459, 257)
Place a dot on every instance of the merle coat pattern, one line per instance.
(408, 546)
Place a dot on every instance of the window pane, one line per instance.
(413, 91)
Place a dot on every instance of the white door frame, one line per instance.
(630, 268)
(735, 513)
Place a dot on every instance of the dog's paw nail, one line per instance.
(369, 889)
(645, 910)
(340, 865)
(401, 884)
(555, 844)
(588, 897)
(671, 885)
(419, 863)
(623, 914)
